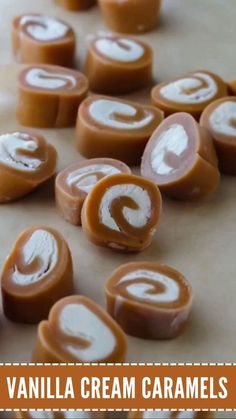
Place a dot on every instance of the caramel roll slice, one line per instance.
(26, 161)
(180, 158)
(220, 120)
(34, 414)
(131, 16)
(37, 273)
(75, 182)
(190, 93)
(76, 5)
(117, 64)
(40, 39)
(110, 127)
(122, 212)
(49, 96)
(78, 330)
(171, 415)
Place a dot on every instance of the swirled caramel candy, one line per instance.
(78, 330)
(131, 16)
(108, 127)
(49, 96)
(220, 120)
(171, 415)
(76, 5)
(117, 64)
(149, 300)
(34, 414)
(26, 161)
(75, 182)
(37, 273)
(40, 39)
(180, 158)
(190, 93)
(122, 212)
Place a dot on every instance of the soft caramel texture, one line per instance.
(195, 109)
(16, 182)
(28, 50)
(29, 300)
(127, 234)
(70, 197)
(113, 76)
(76, 5)
(50, 107)
(131, 16)
(52, 344)
(225, 144)
(172, 415)
(193, 173)
(99, 139)
(143, 316)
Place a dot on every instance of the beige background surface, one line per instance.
(198, 239)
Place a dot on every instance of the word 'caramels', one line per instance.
(76, 5)
(180, 158)
(26, 161)
(49, 96)
(190, 93)
(40, 39)
(171, 415)
(220, 120)
(36, 274)
(117, 65)
(122, 212)
(149, 300)
(108, 127)
(78, 330)
(34, 414)
(131, 16)
(75, 182)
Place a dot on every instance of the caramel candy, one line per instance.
(26, 161)
(190, 93)
(180, 158)
(220, 120)
(131, 16)
(75, 182)
(148, 300)
(49, 96)
(117, 65)
(171, 415)
(37, 273)
(76, 5)
(34, 414)
(40, 39)
(78, 330)
(122, 212)
(108, 127)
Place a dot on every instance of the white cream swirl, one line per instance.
(168, 415)
(16, 149)
(120, 49)
(38, 77)
(109, 113)
(95, 339)
(223, 119)
(40, 251)
(194, 89)
(43, 28)
(86, 177)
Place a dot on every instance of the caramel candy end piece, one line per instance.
(171, 415)
(75, 182)
(49, 96)
(26, 161)
(41, 39)
(180, 158)
(109, 127)
(78, 330)
(76, 5)
(190, 93)
(122, 212)
(131, 16)
(118, 65)
(149, 300)
(219, 118)
(37, 273)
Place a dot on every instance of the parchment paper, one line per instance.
(198, 239)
